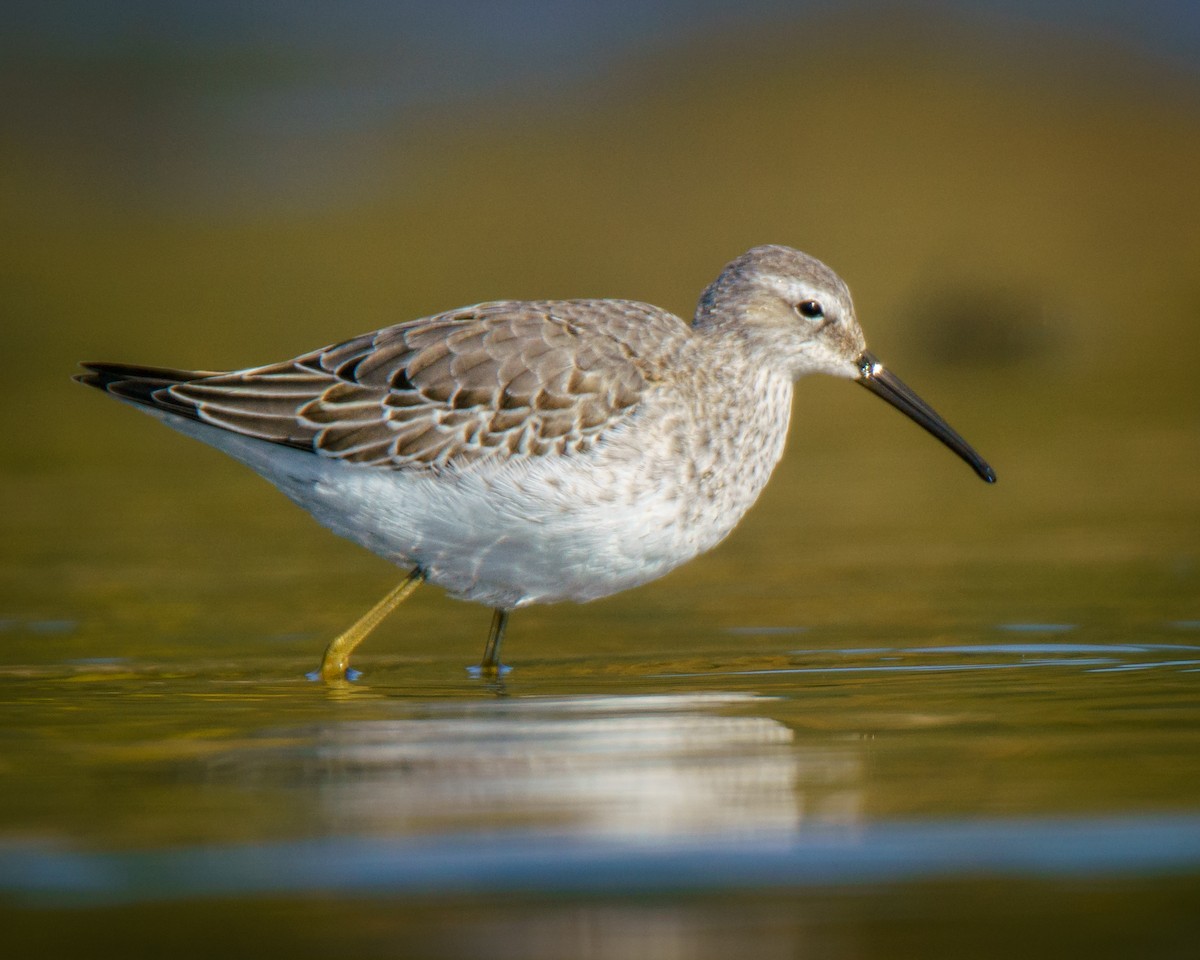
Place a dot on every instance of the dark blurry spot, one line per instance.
(987, 326)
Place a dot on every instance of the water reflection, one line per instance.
(629, 767)
(859, 777)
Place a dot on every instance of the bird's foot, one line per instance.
(489, 671)
(349, 675)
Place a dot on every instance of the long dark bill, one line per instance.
(883, 383)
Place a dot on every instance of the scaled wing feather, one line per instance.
(504, 379)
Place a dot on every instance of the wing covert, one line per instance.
(504, 379)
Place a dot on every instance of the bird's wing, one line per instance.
(507, 379)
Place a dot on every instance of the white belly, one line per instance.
(538, 531)
(535, 530)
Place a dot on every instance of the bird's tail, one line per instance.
(149, 386)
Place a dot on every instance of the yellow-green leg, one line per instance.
(336, 661)
(489, 666)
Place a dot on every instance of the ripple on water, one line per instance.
(1093, 657)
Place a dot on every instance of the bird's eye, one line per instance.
(811, 309)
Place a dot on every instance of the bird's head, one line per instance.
(795, 314)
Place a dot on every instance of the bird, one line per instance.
(519, 452)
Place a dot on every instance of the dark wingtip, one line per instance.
(131, 381)
(99, 375)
